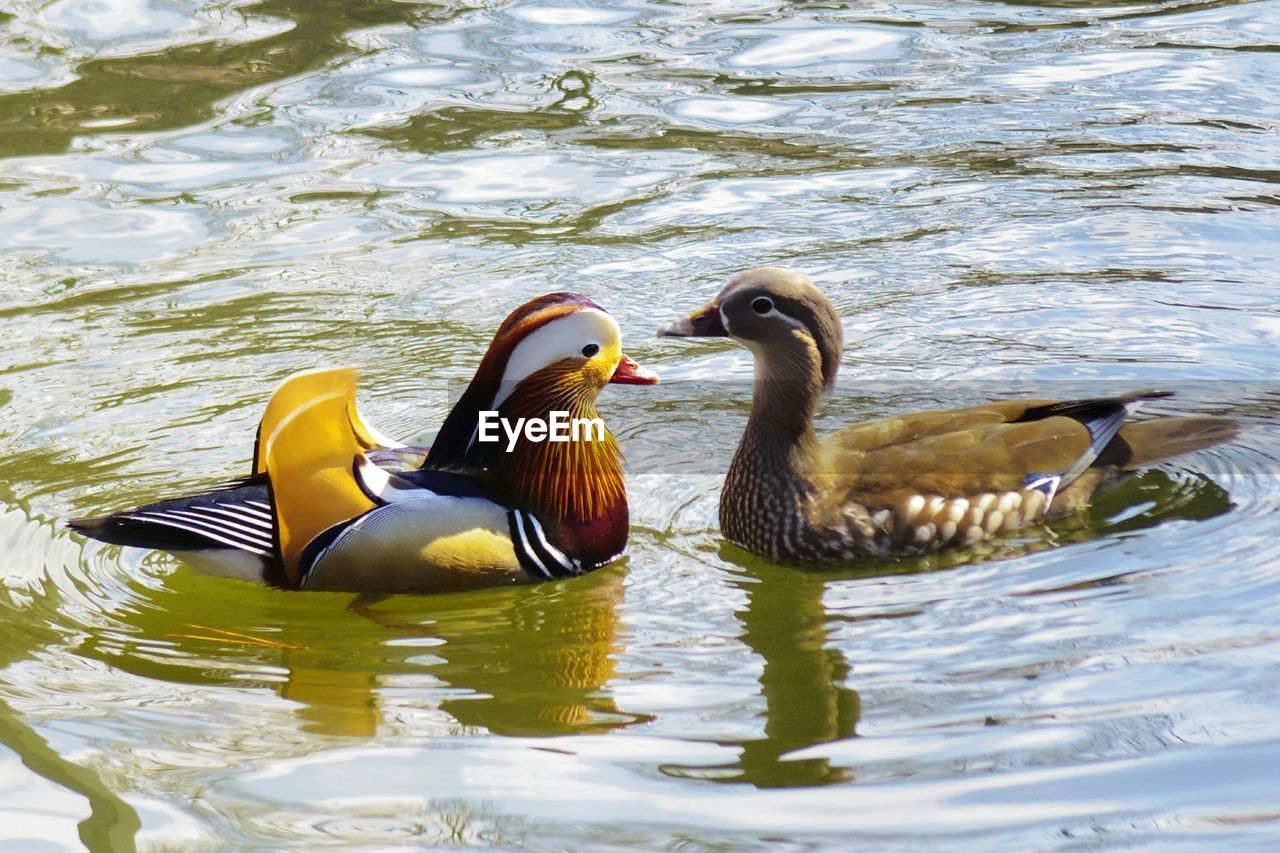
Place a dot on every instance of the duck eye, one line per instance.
(590, 349)
(762, 305)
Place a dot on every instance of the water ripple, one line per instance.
(198, 199)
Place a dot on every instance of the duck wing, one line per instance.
(963, 474)
(231, 528)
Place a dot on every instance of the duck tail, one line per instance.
(1145, 443)
(237, 518)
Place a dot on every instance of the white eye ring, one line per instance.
(590, 350)
(762, 305)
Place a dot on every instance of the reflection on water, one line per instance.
(532, 666)
(802, 683)
(111, 824)
(522, 662)
(197, 199)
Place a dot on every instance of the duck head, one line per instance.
(553, 354)
(560, 349)
(781, 316)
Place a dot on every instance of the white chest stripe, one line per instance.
(559, 556)
(535, 552)
(525, 553)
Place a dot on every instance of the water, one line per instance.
(197, 199)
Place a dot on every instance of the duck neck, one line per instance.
(767, 489)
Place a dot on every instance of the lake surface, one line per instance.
(197, 199)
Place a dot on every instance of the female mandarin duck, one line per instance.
(332, 505)
(912, 483)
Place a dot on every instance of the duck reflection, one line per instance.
(803, 682)
(531, 662)
(525, 661)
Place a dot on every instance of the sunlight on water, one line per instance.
(1001, 198)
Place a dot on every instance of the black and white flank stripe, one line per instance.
(538, 557)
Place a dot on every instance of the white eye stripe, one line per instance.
(774, 311)
(559, 339)
(793, 321)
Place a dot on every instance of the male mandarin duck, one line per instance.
(912, 483)
(332, 505)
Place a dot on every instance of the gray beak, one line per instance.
(703, 323)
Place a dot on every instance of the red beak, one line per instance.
(630, 373)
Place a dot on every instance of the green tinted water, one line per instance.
(198, 199)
